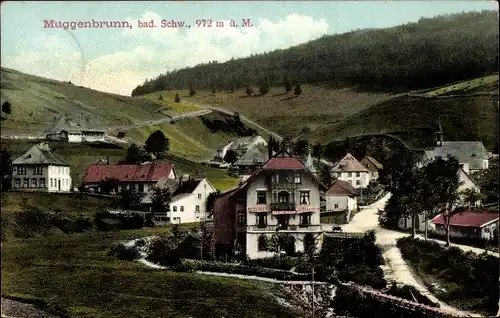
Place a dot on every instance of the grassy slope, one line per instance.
(334, 114)
(74, 274)
(286, 115)
(37, 100)
(188, 137)
(81, 156)
(170, 106)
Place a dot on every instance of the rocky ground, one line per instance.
(17, 309)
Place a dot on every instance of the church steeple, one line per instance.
(438, 135)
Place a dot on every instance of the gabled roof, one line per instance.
(243, 142)
(469, 218)
(349, 164)
(367, 160)
(70, 125)
(254, 156)
(472, 152)
(341, 188)
(128, 173)
(40, 154)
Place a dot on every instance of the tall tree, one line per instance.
(7, 107)
(161, 199)
(5, 170)
(317, 151)
(443, 176)
(288, 84)
(134, 155)
(192, 91)
(177, 98)
(301, 147)
(325, 176)
(128, 199)
(157, 143)
(264, 87)
(298, 90)
(470, 197)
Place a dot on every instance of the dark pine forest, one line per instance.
(427, 53)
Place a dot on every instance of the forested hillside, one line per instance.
(430, 52)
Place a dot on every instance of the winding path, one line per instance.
(396, 268)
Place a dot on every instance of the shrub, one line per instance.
(32, 222)
(124, 252)
(285, 263)
(164, 250)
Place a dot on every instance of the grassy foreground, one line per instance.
(73, 274)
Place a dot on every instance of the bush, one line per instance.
(164, 250)
(32, 222)
(286, 262)
(106, 221)
(124, 252)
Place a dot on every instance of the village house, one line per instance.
(471, 154)
(351, 170)
(251, 161)
(71, 130)
(188, 202)
(40, 169)
(240, 146)
(469, 224)
(283, 197)
(466, 182)
(373, 166)
(341, 196)
(138, 178)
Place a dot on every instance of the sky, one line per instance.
(118, 59)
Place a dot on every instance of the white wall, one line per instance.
(352, 177)
(343, 202)
(197, 198)
(92, 136)
(74, 137)
(51, 176)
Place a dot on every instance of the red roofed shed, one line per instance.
(472, 224)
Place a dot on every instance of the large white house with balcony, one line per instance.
(40, 169)
(282, 198)
(351, 170)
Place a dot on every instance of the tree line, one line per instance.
(427, 53)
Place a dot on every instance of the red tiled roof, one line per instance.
(469, 218)
(284, 163)
(341, 188)
(128, 173)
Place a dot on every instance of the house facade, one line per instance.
(69, 130)
(469, 224)
(341, 196)
(137, 178)
(373, 166)
(251, 161)
(351, 170)
(283, 197)
(40, 169)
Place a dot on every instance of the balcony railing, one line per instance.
(283, 186)
(282, 206)
(291, 228)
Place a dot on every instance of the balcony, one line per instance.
(283, 186)
(282, 206)
(286, 229)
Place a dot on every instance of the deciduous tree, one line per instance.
(157, 143)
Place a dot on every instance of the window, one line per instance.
(358, 182)
(349, 174)
(25, 183)
(304, 197)
(17, 183)
(197, 208)
(275, 178)
(34, 184)
(182, 208)
(21, 170)
(241, 218)
(41, 182)
(199, 196)
(38, 170)
(336, 206)
(262, 220)
(305, 219)
(262, 243)
(175, 209)
(486, 230)
(261, 197)
(357, 174)
(297, 178)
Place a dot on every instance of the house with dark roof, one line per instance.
(373, 166)
(69, 129)
(471, 154)
(40, 169)
(139, 178)
(469, 224)
(251, 161)
(240, 146)
(341, 196)
(188, 202)
(351, 170)
(283, 197)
